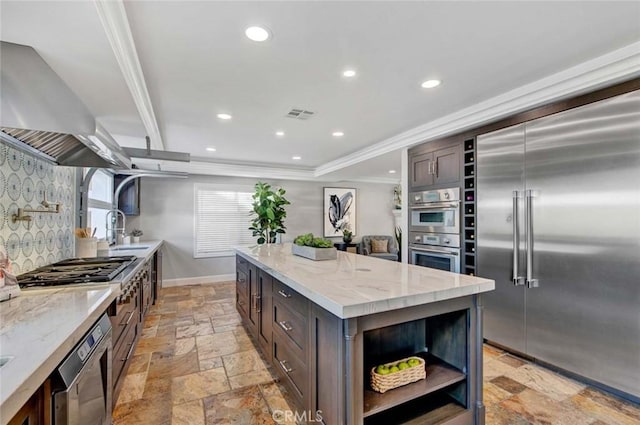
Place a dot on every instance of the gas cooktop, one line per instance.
(76, 270)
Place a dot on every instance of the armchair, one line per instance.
(392, 254)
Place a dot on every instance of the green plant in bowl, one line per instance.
(309, 240)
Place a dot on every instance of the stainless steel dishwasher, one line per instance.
(82, 384)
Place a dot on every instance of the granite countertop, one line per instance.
(41, 326)
(357, 285)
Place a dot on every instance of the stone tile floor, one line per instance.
(196, 365)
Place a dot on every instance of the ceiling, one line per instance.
(197, 63)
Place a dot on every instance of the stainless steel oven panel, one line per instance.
(435, 196)
(434, 239)
(86, 374)
(430, 219)
(451, 255)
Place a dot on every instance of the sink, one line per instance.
(128, 248)
(4, 360)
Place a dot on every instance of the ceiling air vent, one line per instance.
(300, 114)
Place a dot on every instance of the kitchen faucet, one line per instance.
(112, 228)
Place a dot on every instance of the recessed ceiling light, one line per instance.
(280, 133)
(337, 134)
(349, 73)
(224, 116)
(296, 158)
(257, 33)
(429, 84)
(211, 149)
(392, 171)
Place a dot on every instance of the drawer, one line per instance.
(124, 316)
(289, 298)
(123, 351)
(291, 367)
(290, 324)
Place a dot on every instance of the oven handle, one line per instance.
(436, 251)
(440, 206)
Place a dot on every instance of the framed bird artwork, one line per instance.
(339, 211)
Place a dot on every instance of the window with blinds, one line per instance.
(221, 220)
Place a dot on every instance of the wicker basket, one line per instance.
(384, 383)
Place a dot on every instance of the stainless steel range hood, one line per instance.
(42, 116)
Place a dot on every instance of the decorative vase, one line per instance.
(347, 239)
(136, 239)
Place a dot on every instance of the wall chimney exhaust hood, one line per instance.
(42, 116)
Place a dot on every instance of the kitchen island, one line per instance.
(325, 324)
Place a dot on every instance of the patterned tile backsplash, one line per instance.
(24, 180)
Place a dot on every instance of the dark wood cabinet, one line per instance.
(435, 165)
(254, 302)
(421, 167)
(447, 165)
(37, 410)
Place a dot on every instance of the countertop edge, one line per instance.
(372, 307)
(12, 404)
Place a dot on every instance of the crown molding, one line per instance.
(613, 67)
(116, 25)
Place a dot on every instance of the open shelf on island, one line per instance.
(439, 375)
(432, 409)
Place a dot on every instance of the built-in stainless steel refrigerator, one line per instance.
(558, 228)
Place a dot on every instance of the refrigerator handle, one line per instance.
(531, 282)
(517, 280)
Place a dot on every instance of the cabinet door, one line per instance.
(36, 410)
(265, 309)
(253, 312)
(446, 165)
(421, 170)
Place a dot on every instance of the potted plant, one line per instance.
(135, 234)
(347, 235)
(269, 213)
(314, 248)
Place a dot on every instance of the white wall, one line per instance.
(167, 211)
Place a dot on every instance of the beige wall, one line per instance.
(167, 211)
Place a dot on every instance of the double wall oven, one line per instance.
(434, 229)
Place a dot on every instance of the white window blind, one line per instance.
(221, 220)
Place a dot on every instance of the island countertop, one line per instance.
(356, 285)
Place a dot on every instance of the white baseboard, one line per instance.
(166, 283)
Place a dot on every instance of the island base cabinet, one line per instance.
(325, 361)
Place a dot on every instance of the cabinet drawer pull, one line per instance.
(284, 366)
(284, 325)
(284, 294)
(129, 353)
(128, 319)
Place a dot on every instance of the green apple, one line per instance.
(382, 370)
(413, 362)
(394, 369)
(403, 365)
